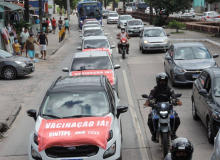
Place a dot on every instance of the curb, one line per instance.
(62, 43)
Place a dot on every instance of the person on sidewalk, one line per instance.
(30, 46)
(215, 8)
(54, 23)
(44, 43)
(16, 47)
(67, 24)
(23, 37)
(48, 23)
(60, 23)
(37, 21)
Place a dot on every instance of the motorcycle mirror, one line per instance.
(80, 30)
(178, 95)
(145, 96)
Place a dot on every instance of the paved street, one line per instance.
(138, 69)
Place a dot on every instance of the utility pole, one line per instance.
(124, 7)
(151, 14)
(68, 9)
(40, 12)
(105, 3)
(26, 11)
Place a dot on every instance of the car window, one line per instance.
(202, 78)
(125, 18)
(93, 32)
(87, 26)
(111, 96)
(91, 63)
(96, 43)
(216, 89)
(93, 103)
(5, 54)
(135, 22)
(113, 15)
(92, 22)
(154, 33)
(195, 52)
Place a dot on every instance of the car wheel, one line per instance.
(9, 73)
(194, 112)
(140, 47)
(142, 50)
(172, 81)
(209, 132)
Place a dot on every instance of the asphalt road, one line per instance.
(136, 76)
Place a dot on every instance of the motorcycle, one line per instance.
(123, 49)
(163, 111)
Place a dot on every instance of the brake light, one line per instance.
(171, 53)
(218, 16)
(207, 16)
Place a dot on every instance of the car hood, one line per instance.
(195, 64)
(155, 39)
(135, 26)
(123, 21)
(18, 58)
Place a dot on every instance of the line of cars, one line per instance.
(80, 116)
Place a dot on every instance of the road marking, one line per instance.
(137, 127)
(116, 49)
(111, 38)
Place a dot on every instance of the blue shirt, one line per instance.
(37, 21)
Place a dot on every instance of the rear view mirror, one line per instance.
(113, 46)
(121, 109)
(117, 66)
(168, 58)
(145, 96)
(145, 24)
(65, 69)
(79, 48)
(203, 92)
(178, 95)
(32, 113)
(215, 55)
(106, 34)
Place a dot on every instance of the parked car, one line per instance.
(14, 66)
(105, 13)
(153, 38)
(209, 15)
(148, 10)
(122, 20)
(216, 150)
(185, 61)
(93, 63)
(134, 27)
(192, 11)
(206, 100)
(185, 14)
(68, 122)
(112, 18)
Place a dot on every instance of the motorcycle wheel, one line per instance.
(165, 144)
(123, 53)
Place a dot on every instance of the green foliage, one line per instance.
(212, 1)
(159, 22)
(176, 25)
(63, 3)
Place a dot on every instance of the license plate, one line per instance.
(33, 69)
(156, 45)
(136, 31)
(195, 75)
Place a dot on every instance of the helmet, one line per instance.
(181, 145)
(164, 77)
(122, 28)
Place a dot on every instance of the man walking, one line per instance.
(29, 45)
(44, 43)
(54, 25)
(60, 23)
(23, 37)
(67, 23)
(215, 8)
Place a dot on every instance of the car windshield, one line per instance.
(154, 33)
(70, 104)
(92, 22)
(96, 43)
(91, 63)
(90, 12)
(217, 87)
(5, 54)
(113, 15)
(105, 11)
(135, 22)
(125, 18)
(195, 52)
(87, 26)
(93, 32)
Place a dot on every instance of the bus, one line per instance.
(89, 10)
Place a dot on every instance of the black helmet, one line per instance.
(164, 77)
(181, 145)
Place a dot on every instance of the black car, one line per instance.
(13, 66)
(185, 61)
(206, 100)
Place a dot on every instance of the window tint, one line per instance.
(96, 43)
(93, 32)
(111, 94)
(202, 78)
(135, 22)
(154, 33)
(217, 87)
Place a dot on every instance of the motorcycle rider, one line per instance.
(123, 34)
(181, 149)
(162, 88)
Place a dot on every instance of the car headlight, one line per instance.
(216, 115)
(35, 154)
(165, 40)
(110, 151)
(100, 20)
(179, 70)
(21, 64)
(146, 41)
(35, 139)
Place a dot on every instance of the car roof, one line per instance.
(91, 54)
(124, 15)
(92, 28)
(95, 37)
(153, 28)
(91, 21)
(187, 44)
(134, 19)
(214, 71)
(96, 25)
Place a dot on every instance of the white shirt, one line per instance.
(24, 36)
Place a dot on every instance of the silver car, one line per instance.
(89, 25)
(112, 18)
(134, 27)
(153, 38)
(105, 13)
(92, 31)
(216, 150)
(122, 20)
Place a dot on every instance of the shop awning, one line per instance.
(1, 10)
(11, 6)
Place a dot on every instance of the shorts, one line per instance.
(54, 27)
(22, 45)
(66, 27)
(43, 47)
(14, 53)
(31, 53)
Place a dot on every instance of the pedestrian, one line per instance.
(30, 46)
(60, 23)
(37, 21)
(54, 23)
(44, 43)
(16, 47)
(215, 8)
(23, 37)
(67, 24)
(48, 23)
(61, 11)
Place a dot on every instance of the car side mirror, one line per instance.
(80, 30)
(215, 55)
(145, 96)
(121, 109)
(80, 35)
(102, 25)
(79, 48)
(168, 35)
(203, 92)
(117, 66)
(178, 95)
(168, 58)
(65, 69)
(32, 113)
(113, 46)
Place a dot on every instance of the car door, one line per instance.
(2, 64)
(169, 63)
(141, 38)
(118, 22)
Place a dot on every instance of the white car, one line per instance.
(92, 31)
(209, 15)
(113, 12)
(129, 9)
(89, 25)
(77, 116)
(112, 18)
(122, 20)
(186, 14)
(148, 11)
(192, 11)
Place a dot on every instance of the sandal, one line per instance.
(41, 57)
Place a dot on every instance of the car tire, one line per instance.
(140, 47)
(194, 112)
(142, 50)
(9, 73)
(172, 81)
(209, 132)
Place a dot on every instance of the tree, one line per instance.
(63, 3)
(176, 25)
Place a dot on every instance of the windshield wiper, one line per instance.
(52, 116)
(78, 116)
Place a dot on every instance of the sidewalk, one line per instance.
(14, 93)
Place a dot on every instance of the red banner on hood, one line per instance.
(98, 49)
(74, 132)
(109, 73)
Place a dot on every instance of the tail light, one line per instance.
(181, 13)
(207, 16)
(218, 16)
